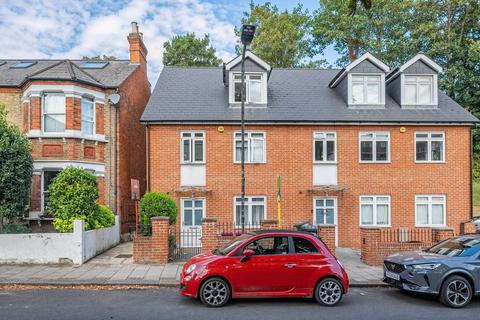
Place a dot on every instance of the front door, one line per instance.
(325, 213)
(192, 213)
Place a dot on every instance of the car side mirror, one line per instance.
(247, 253)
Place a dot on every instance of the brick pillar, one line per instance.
(269, 224)
(369, 238)
(154, 248)
(468, 227)
(36, 193)
(35, 113)
(442, 234)
(101, 189)
(209, 235)
(327, 234)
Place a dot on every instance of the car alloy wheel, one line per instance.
(456, 292)
(214, 292)
(329, 292)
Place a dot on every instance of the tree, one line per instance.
(16, 165)
(155, 204)
(281, 38)
(189, 51)
(100, 58)
(367, 4)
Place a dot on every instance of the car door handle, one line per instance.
(290, 265)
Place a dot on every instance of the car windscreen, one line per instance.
(232, 245)
(463, 247)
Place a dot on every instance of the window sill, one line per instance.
(436, 226)
(325, 162)
(250, 162)
(67, 134)
(430, 162)
(383, 226)
(193, 163)
(374, 162)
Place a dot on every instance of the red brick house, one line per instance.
(364, 146)
(65, 109)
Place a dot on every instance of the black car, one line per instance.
(449, 269)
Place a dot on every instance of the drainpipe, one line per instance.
(471, 172)
(148, 158)
(115, 156)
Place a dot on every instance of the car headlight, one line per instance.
(426, 266)
(190, 268)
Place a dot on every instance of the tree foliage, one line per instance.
(281, 37)
(16, 165)
(188, 50)
(155, 204)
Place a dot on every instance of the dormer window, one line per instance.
(418, 90)
(253, 88)
(366, 89)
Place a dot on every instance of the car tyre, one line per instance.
(456, 292)
(214, 292)
(329, 292)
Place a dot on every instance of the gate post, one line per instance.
(269, 224)
(154, 248)
(327, 234)
(209, 235)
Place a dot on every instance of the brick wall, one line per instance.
(210, 238)
(289, 154)
(154, 248)
(11, 99)
(468, 227)
(327, 234)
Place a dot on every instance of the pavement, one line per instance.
(167, 303)
(116, 267)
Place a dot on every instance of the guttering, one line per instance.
(311, 123)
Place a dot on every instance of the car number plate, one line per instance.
(391, 275)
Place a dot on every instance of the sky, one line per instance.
(60, 29)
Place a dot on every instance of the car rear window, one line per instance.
(303, 245)
(462, 246)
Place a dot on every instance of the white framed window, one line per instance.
(47, 177)
(430, 210)
(254, 148)
(255, 88)
(192, 147)
(53, 112)
(324, 209)
(429, 147)
(366, 89)
(374, 146)
(418, 89)
(324, 147)
(255, 210)
(193, 211)
(88, 116)
(375, 211)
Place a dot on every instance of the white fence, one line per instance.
(77, 247)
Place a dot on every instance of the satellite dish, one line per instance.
(114, 98)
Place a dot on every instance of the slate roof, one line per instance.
(111, 76)
(294, 95)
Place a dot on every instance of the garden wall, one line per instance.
(76, 247)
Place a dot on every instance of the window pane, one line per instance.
(410, 79)
(329, 202)
(422, 199)
(437, 150)
(329, 216)
(54, 123)
(187, 204)
(199, 134)
(54, 103)
(255, 91)
(424, 94)
(382, 214)
(253, 77)
(373, 93)
(383, 199)
(238, 92)
(256, 135)
(187, 217)
(437, 135)
(87, 127)
(410, 90)
(367, 214)
(422, 214)
(422, 150)
(238, 150)
(382, 150)
(319, 216)
(319, 203)
(366, 150)
(357, 93)
(303, 245)
(257, 150)
(186, 150)
(421, 135)
(330, 150)
(198, 217)
(238, 216)
(366, 199)
(198, 150)
(437, 214)
(319, 151)
(257, 214)
(424, 79)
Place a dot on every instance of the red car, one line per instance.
(266, 264)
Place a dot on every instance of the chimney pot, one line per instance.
(134, 27)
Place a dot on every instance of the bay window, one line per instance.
(88, 116)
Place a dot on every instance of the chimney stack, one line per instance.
(138, 51)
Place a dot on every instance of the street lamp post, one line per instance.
(248, 32)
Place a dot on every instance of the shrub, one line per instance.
(16, 165)
(476, 169)
(104, 218)
(155, 204)
(73, 196)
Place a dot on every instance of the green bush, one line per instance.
(104, 218)
(16, 165)
(476, 169)
(155, 204)
(73, 196)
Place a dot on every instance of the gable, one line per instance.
(250, 66)
(419, 67)
(366, 66)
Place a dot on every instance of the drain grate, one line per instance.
(124, 256)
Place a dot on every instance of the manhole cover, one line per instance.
(124, 256)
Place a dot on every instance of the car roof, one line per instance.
(276, 231)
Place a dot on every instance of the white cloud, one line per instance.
(72, 29)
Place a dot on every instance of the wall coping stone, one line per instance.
(209, 220)
(160, 218)
(269, 221)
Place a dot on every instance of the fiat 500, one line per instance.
(266, 264)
